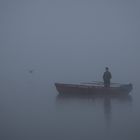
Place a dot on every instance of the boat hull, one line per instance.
(93, 89)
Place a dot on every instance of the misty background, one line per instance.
(66, 41)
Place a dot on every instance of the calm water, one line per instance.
(32, 109)
(42, 42)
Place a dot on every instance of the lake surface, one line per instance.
(43, 42)
(32, 109)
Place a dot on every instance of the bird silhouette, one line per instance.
(31, 71)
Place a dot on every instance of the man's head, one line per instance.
(106, 68)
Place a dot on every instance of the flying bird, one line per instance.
(31, 71)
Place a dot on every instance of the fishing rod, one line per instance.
(100, 83)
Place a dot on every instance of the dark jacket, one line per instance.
(107, 76)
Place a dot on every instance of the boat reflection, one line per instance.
(64, 97)
(105, 100)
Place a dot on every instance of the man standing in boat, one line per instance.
(107, 77)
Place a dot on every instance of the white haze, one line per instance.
(65, 41)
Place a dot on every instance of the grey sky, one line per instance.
(76, 35)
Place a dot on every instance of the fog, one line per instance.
(48, 41)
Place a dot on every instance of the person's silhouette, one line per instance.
(107, 77)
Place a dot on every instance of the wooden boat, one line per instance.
(94, 89)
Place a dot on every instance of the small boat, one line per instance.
(94, 89)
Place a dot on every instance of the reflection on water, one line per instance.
(105, 101)
(107, 110)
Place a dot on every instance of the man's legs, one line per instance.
(107, 83)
